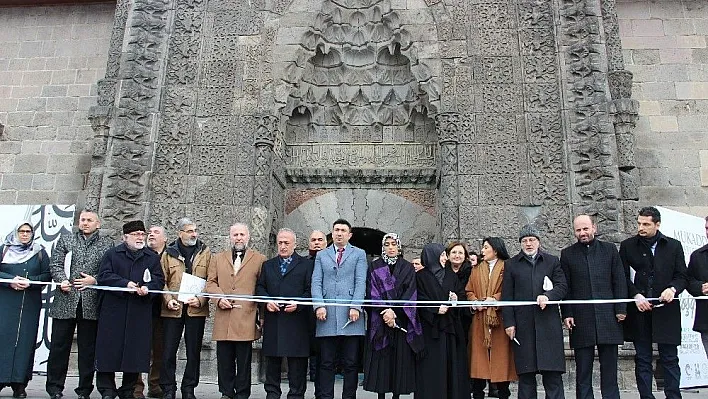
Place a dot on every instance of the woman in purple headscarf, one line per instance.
(395, 334)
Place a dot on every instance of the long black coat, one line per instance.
(594, 272)
(287, 334)
(124, 318)
(697, 276)
(539, 332)
(19, 317)
(654, 273)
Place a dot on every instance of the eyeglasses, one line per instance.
(24, 231)
(192, 231)
(137, 234)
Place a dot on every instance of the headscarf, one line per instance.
(430, 258)
(15, 251)
(390, 260)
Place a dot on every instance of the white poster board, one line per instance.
(49, 222)
(690, 230)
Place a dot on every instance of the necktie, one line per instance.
(284, 265)
(237, 262)
(340, 252)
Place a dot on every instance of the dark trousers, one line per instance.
(297, 377)
(60, 348)
(479, 384)
(345, 351)
(106, 384)
(584, 358)
(233, 356)
(668, 356)
(156, 354)
(552, 384)
(193, 328)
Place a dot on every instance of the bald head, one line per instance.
(584, 229)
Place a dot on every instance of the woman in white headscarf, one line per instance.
(21, 260)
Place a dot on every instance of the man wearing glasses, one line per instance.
(125, 317)
(186, 255)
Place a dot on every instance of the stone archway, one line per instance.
(370, 209)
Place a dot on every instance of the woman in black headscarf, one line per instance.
(23, 260)
(442, 369)
(395, 334)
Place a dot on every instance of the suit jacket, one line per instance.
(237, 324)
(654, 273)
(346, 281)
(594, 272)
(697, 276)
(539, 332)
(281, 329)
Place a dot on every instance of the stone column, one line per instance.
(100, 117)
(261, 215)
(447, 125)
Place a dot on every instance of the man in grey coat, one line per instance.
(594, 270)
(339, 275)
(75, 307)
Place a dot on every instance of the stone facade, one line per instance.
(50, 61)
(664, 45)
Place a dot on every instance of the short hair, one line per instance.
(344, 222)
(244, 225)
(498, 246)
(184, 222)
(651, 211)
(706, 218)
(87, 210)
(453, 244)
(288, 231)
(162, 229)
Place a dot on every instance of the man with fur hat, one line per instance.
(536, 330)
(125, 317)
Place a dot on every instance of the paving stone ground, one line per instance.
(208, 390)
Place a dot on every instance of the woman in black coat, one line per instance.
(22, 260)
(442, 369)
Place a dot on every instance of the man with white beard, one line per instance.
(125, 317)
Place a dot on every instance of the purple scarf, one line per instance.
(400, 285)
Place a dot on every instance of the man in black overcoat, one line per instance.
(698, 286)
(655, 268)
(125, 318)
(537, 331)
(593, 270)
(286, 327)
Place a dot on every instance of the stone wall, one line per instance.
(50, 61)
(664, 44)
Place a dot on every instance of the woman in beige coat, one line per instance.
(490, 354)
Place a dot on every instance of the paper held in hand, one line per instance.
(190, 285)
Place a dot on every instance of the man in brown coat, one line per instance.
(235, 271)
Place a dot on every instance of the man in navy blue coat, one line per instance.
(125, 318)
(288, 275)
(339, 275)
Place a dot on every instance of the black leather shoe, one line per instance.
(83, 396)
(188, 395)
(58, 395)
(108, 397)
(19, 392)
(168, 395)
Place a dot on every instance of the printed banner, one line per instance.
(690, 230)
(49, 222)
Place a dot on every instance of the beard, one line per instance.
(191, 242)
(240, 247)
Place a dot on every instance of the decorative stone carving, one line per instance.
(592, 161)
